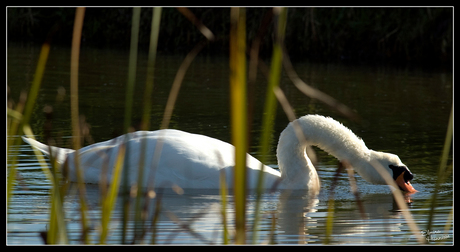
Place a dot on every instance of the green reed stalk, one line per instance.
(13, 128)
(330, 206)
(74, 64)
(108, 202)
(399, 198)
(329, 220)
(238, 115)
(132, 67)
(156, 216)
(57, 230)
(270, 107)
(155, 29)
(145, 123)
(442, 170)
(223, 203)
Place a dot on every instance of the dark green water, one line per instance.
(405, 111)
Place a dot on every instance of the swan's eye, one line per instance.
(397, 170)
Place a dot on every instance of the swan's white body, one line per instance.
(195, 161)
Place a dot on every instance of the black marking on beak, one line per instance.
(397, 170)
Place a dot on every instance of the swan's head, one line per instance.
(400, 173)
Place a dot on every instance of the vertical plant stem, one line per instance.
(74, 62)
(399, 198)
(170, 103)
(145, 123)
(156, 215)
(132, 66)
(270, 107)
(238, 115)
(109, 201)
(57, 231)
(223, 202)
(28, 108)
(442, 168)
(155, 28)
(330, 206)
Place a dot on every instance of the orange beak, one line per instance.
(405, 186)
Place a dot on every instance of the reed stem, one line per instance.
(76, 138)
(238, 116)
(270, 106)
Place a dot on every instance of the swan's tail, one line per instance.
(59, 153)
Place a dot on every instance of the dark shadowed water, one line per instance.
(405, 111)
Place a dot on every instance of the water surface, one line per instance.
(405, 111)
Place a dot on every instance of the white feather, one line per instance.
(195, 161)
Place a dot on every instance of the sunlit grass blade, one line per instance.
(145, 123)
(223, 205)
(443, 171)
(354, 187)
(331, 206)
(399, 198)
(238, 115)
(155, 29)
(270, 106)
(109, 201)
(14, 129)
(173, 93)
(57, 230)
(315, 93)
(201, 27)
(74, 65)
(449, 221)
(329, 220)
(165, 123)
(156, 214)
(132, 68)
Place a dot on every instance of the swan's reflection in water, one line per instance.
(195, 217)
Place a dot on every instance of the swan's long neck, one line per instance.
(326, 133)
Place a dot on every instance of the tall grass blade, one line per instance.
(223, 203)
(74, 64)
(155, 29)
(170, 107)
(13, 129)
(399, 198)
(289, 111)
(156, 214)
(270, 106)
(329, 220)
(330, 206)
(132, 67)
(201, 27)
(442, 170)
(354, 188)
(145, 123)
(315, 93)
(57, 230)
(109, 201)
(238, 115)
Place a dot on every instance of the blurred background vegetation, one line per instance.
(421, 36)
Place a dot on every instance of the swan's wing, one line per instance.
(192, 161)
(187, 160)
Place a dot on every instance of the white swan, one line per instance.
(194, 161)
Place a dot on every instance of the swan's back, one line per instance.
(187, 160)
